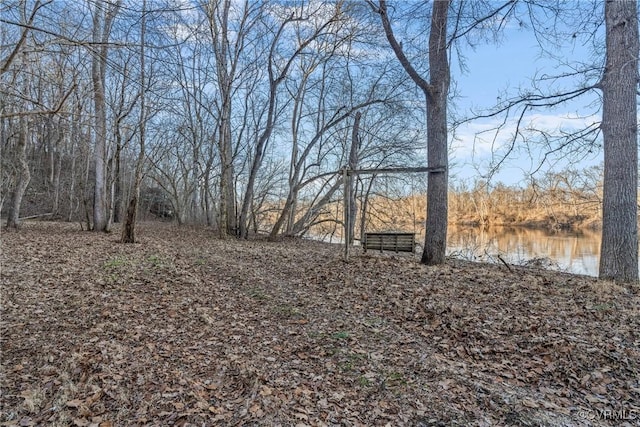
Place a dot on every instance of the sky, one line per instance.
(492, 70)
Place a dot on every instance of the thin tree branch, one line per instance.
(53, 111)
(397, 48)
(23, 37)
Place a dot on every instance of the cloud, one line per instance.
(483, 138)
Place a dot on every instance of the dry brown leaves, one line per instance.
(186, 329)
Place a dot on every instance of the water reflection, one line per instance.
(575, 252)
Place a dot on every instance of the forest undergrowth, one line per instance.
(186, 329)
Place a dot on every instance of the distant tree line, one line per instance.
(557, 201)
(566, 200)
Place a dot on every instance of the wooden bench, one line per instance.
(389, 241)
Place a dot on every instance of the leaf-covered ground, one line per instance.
(186, 329)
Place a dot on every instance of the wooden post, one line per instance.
(347, 209)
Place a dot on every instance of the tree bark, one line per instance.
(117, 183)
(437, 147)
(218, 15)
(100, 148)
(619, 248)
(102, 21)
(129, 228)
(353, 164)
(24, 176)
(436, 91)
(57, 169)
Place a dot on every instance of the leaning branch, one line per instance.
(375, 171)
(25, 31)
(532, 101)
(53, 111)
(430, 169)
(37, 216)
(459, 33)
(397, 48)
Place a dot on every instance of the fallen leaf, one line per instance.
(75, 403)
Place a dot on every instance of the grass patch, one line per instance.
(363, 381)
(288, 311)
(115, 262)
(155, 260)
(604, 307)
(395, 379)
(342, 335)
(257, 293)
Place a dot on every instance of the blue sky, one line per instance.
(494, 69)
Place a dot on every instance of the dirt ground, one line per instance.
(186, 329)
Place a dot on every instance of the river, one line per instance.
(570, 251)
(575, 252)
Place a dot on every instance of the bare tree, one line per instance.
(228, 44)
(300, 167)
(354, 152)
(129, 228)
(104, 14)
(26, 28)
(436, 91)
(29, 106)
(24, 176)
(617, 73)
(277, 76)
(619, 84)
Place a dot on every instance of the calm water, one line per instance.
(575, 252)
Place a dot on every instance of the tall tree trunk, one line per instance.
(619, 249)
(258, 155)
(129, 228)
(74, 137)
(194, 203)
(436, 92)
(227, 188)
(117, 182)
(56, 162)
(218, 15)
(353, 164)
(256, 163)
(55, 209)
(102, 22)
(208, 202)
(72, 184)
(437, 147)
(100, 146)
(24, 176)
(85, 182)
(275, 79)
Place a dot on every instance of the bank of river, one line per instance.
(572, 251)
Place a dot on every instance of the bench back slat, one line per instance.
(398, 242)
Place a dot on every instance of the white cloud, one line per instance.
(482, 138)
